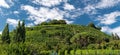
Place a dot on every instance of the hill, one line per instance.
(58, 36)
(65, 34)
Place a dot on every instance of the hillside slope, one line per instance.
(63, 35)
(61, 38)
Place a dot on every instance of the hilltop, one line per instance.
(64, 35)
(58, 36)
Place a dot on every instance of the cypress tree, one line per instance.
(5, 35)
(23, 31)
(19, 35)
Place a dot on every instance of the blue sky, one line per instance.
(104, 13)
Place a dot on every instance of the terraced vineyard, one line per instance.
(62, 39)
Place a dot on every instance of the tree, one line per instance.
(19, 35)
(57, 22)
(43, 23)
(115, 36)
(91, 25)
(62, 22)
(54, 22)
(5, 35)
(23, 31)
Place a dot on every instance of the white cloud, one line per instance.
(50, 11)
(0, 32)
(43, 14)
(107, 3)
(16, 12)
(29, 24)
(68, 6)
(90, 9)
(4, 4)
(73, 13)
(116, 30)
(68, 22)
(12, 22)
(10, 2)
(48, 3)
(109, 19)
(111, 30)
(102, 4)
(106, 29)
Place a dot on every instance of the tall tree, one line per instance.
(23, 31)
(19, 35)
(5, 35)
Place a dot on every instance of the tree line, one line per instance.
(19, 34)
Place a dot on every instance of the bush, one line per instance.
(72, 52)
(45, 52)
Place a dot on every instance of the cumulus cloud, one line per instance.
(106, 29)
(12, 22)
(4, 4)
(50, 11)
(111, 30)
(48, 3)
(102, 4)
(107, 3)
(68, 6)
(43, 14)
(16, 12)
(109, 19)
(90, 9)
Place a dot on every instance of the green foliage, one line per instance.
(72, 52)
(19, 49)
(57, 22)
(92, 46)
(57, 37)
(63, 36)
(44, 23)
(5, 35)
(23, 31)
(19, 35)
(115, 36)
(62, 22)
(97, 52)
(91, 25)
(53, 22)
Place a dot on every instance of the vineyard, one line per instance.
(88, 52)
(58, 38)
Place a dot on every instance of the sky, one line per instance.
(103, 13)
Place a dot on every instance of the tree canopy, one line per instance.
(5, 35)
